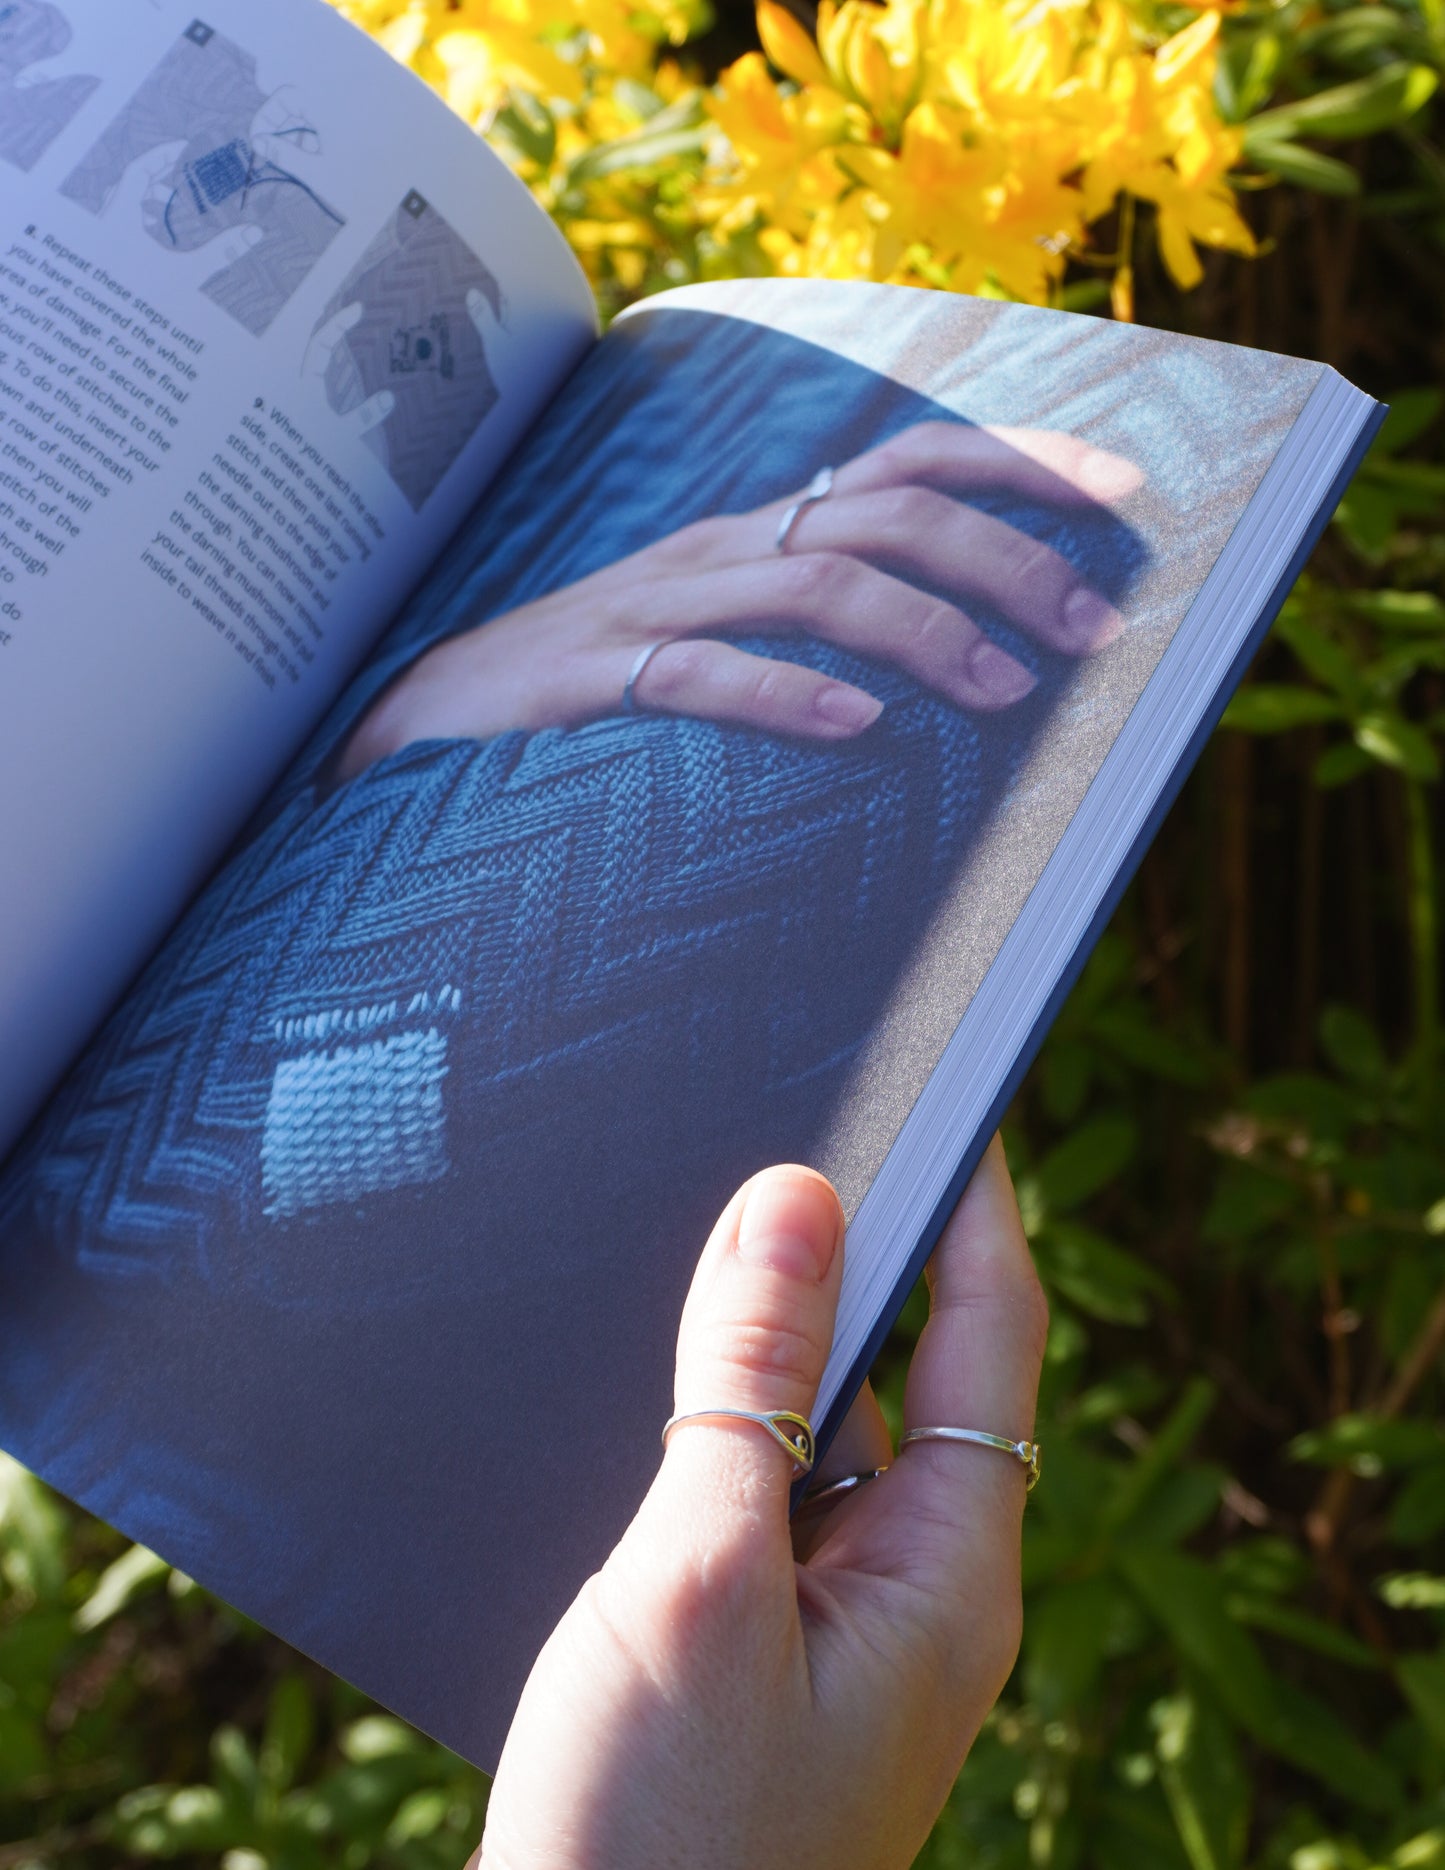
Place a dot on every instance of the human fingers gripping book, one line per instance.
(199, 536)
(685, 820)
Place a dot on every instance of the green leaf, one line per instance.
(680, 130)
(1084, 295)
(1411, 413)
(238, 1773)
(1187, 1600)
(1367, 516)
(1085, 1162)
(1418, 1513)
(32, 1534)
(1066, 1640)
(1386, 98)
(1336, 766)
(1103, 1280)
(1369, 1444)
(1274, 708)
(1397, 743)
(1422, 1678)
(1309, 1733)
(526, 123)
(165, 1821)
(290, 1729)
(419, 1815)
(1065, 1071)
(1245, 1202)
(1299, 1627)
(1325, 659)
(126, 1578)
(1203, 1778)
(1165, 1450)
(1412, 1590)
(1325, 1107)
(1359, 35)
(376, 1737)
(1305, 168)
(1129, 1032)
(1400, 610)
(24, 1754)
(1352, 1045)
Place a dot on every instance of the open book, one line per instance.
(473, 792)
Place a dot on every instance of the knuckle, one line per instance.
(690, 544)
(1033, 1307)
(674, 671)
(815, 580)
(787, 1353)
(910, 509)
(770, 688)
(613, 612)
(1035, 566)
(936, 625)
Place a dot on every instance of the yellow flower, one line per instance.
(970, 144)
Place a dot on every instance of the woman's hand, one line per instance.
(730, 1694)
(861, 568)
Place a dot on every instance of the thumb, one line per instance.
(755, 1334)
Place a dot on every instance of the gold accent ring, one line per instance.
(1028, 1452)
(789, 1431)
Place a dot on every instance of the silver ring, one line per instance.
(789, 1430)
(1027, 1452)
(644, 656)
(837, 1489)
(818, 488)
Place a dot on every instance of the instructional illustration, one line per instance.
(401, 346)
(214, 165)
(35, 105)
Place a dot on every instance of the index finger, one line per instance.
(957, 457)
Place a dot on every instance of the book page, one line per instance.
(666, 835)
(270, 317)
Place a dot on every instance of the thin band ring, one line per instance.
(818, 488)
(789, 1430)
(644, 656)
(1027, 1452)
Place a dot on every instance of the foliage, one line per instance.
(993, 146)
(1231, 1151)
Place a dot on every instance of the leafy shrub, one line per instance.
(1231, 1153)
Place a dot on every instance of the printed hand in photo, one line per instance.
(145, 194)
(861, 568)
(326, 337)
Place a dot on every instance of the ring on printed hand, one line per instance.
(1027, 1452)
(818, 488)
(837, 1489)
(644, 656)
(790, 1431)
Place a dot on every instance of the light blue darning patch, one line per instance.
(350, 1122)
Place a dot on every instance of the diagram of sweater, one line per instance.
(420, 290)
(234, 164)
(33, 112)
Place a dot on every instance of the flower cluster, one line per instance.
(975, 145)
(480, 53)
(972, 144)
(565, 90)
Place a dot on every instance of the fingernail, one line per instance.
(1091, 621)
(994, 671)
(790, 1224)
(848, 708)
(1108, 477)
